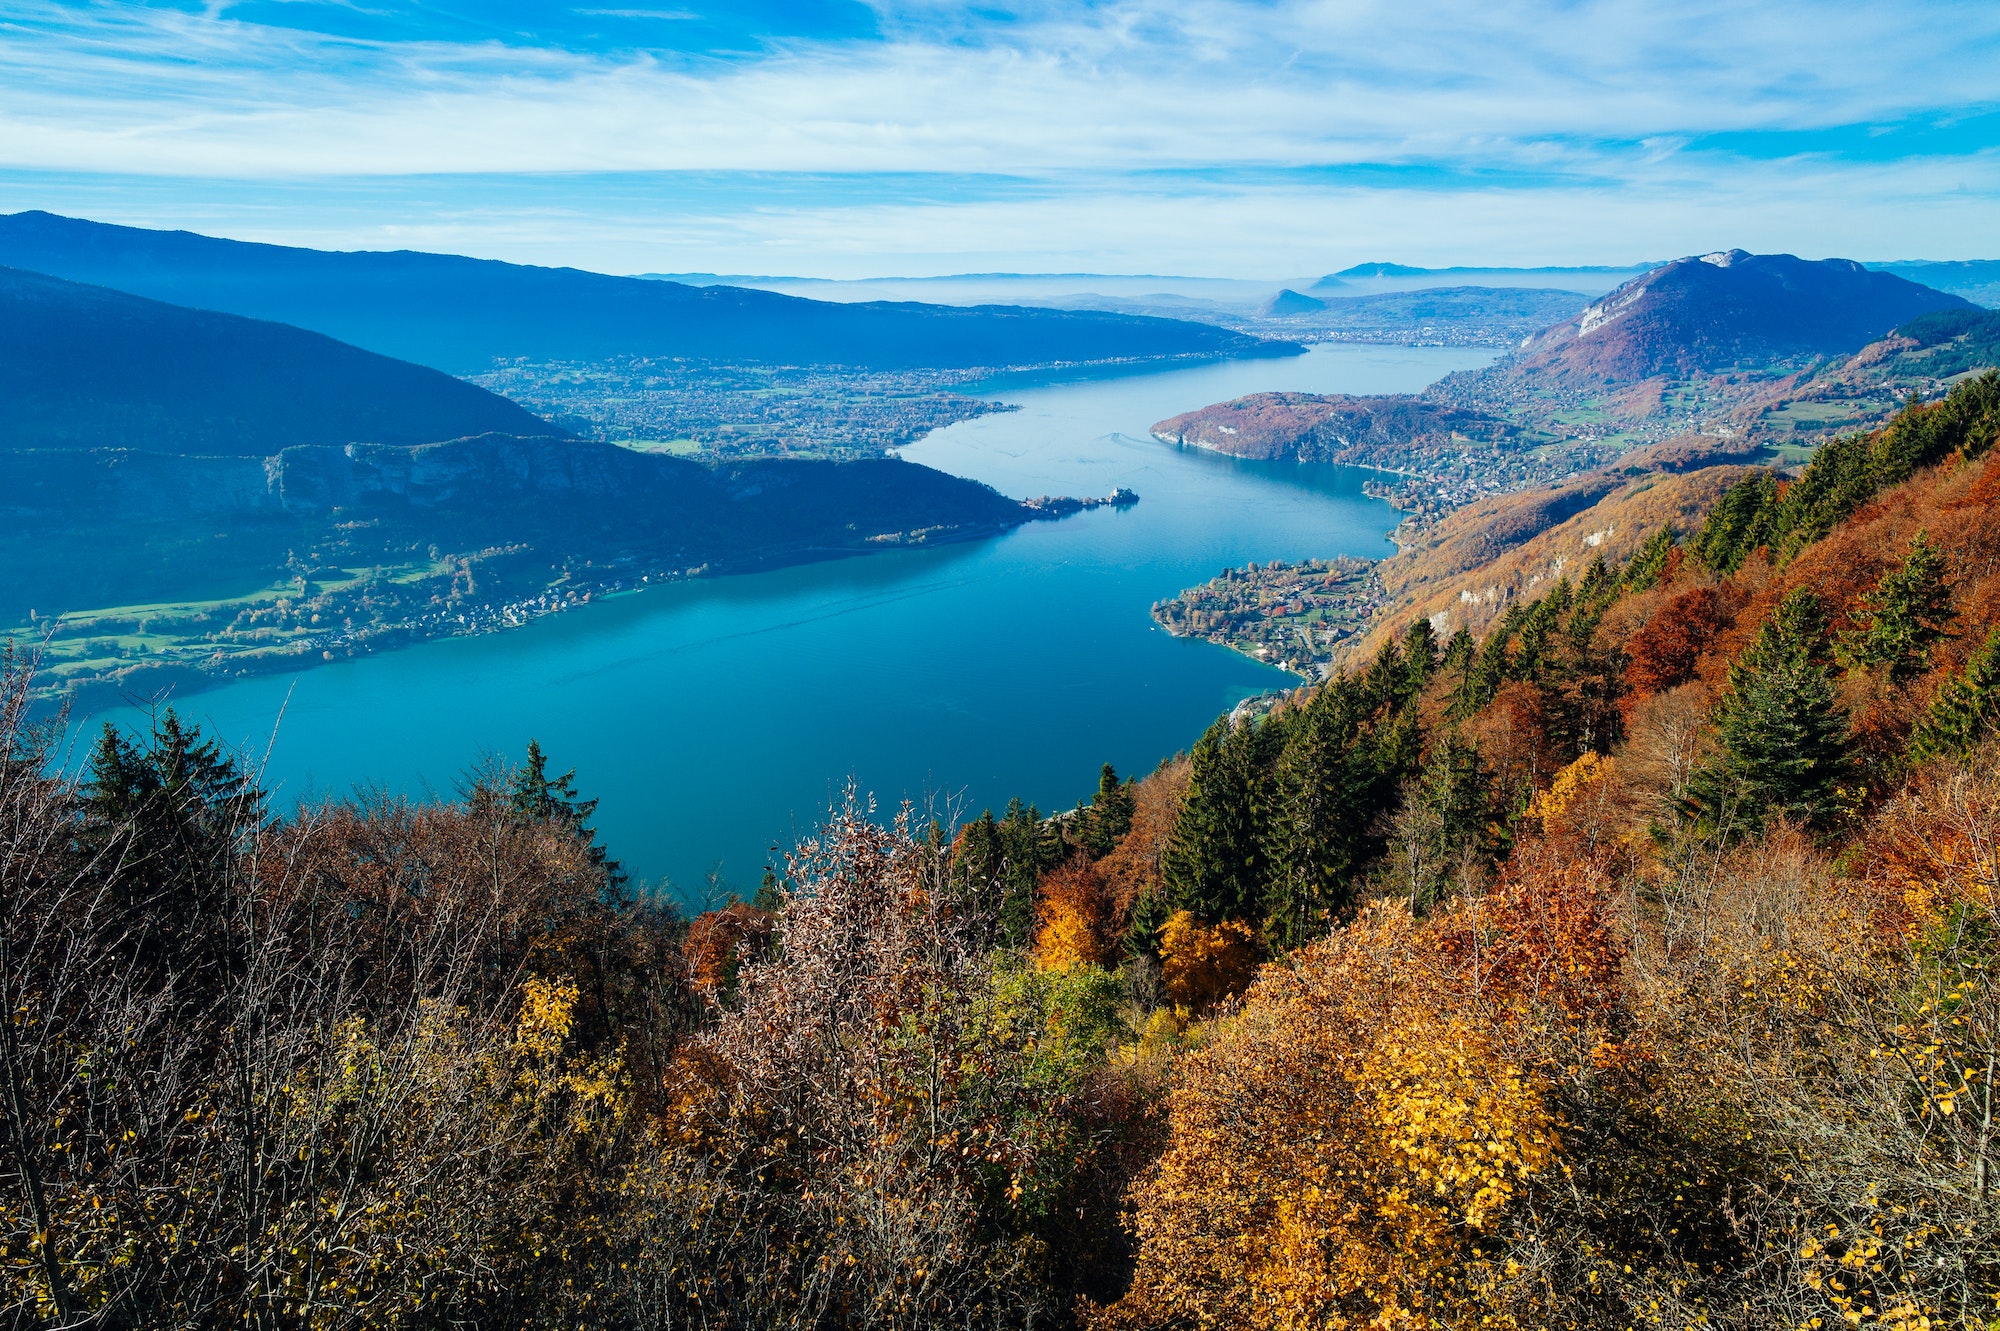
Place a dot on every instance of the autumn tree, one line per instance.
(1202, 964)
(1664, 651)
(1073, 917)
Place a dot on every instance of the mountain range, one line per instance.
(1755, 349)
(87, 367)
(206, 492)
(461, 315)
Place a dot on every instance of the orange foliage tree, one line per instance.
(1073, 910)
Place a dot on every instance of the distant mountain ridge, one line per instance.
(1977, 280)
(1717, 312)
(88, 367)
(460, 314)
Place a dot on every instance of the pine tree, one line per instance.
(1420, 659)
(1441, 828)
(1908, 612)
(1109, 817)
(1649, 562)
(1215, 866)
(1785, 747)
(1330, 790)
(536, 797)
(1965, 711)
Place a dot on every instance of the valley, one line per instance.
(720, 713)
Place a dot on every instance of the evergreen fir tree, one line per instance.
(1215, 866)
(1459, 653)
(1596, 589)
(536, 797)
(1741, 521)
(1908, 612)
(1649, 561)
(1579, 685)
(1420, 659)
(165, 814)
(1785, 747)
(1538, 626)
(1109, 817)
(1330, 790)
(1029, 846)
(1492, 667)
(1441, 828)
(1384, 680)
(976, 866)
(1966, 710)
(770, 897)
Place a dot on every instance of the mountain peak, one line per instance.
(1713, 312)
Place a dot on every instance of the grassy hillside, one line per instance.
(462, 315)
(87, 367)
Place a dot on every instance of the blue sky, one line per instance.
(1252, 138)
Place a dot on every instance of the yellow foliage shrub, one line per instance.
(1074, 913)
(1200, 965)
(1567, 784)
(1346, 1152)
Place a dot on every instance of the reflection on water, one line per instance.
(717, 719)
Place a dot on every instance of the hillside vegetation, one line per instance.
(1629, 964)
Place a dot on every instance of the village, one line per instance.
(1295, 616)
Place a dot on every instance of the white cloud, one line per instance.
(1213, 82)
(1517, 125)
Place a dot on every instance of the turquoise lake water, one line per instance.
(717, 719)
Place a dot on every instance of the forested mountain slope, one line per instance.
(89, 367)
(1630, 964)
(461, 315)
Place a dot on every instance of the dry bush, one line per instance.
(1132, 869)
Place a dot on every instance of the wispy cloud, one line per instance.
(1794, 112)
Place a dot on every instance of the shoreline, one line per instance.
(154, 685)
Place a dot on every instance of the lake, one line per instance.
(717, 719)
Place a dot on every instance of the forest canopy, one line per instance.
(1630, 964)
